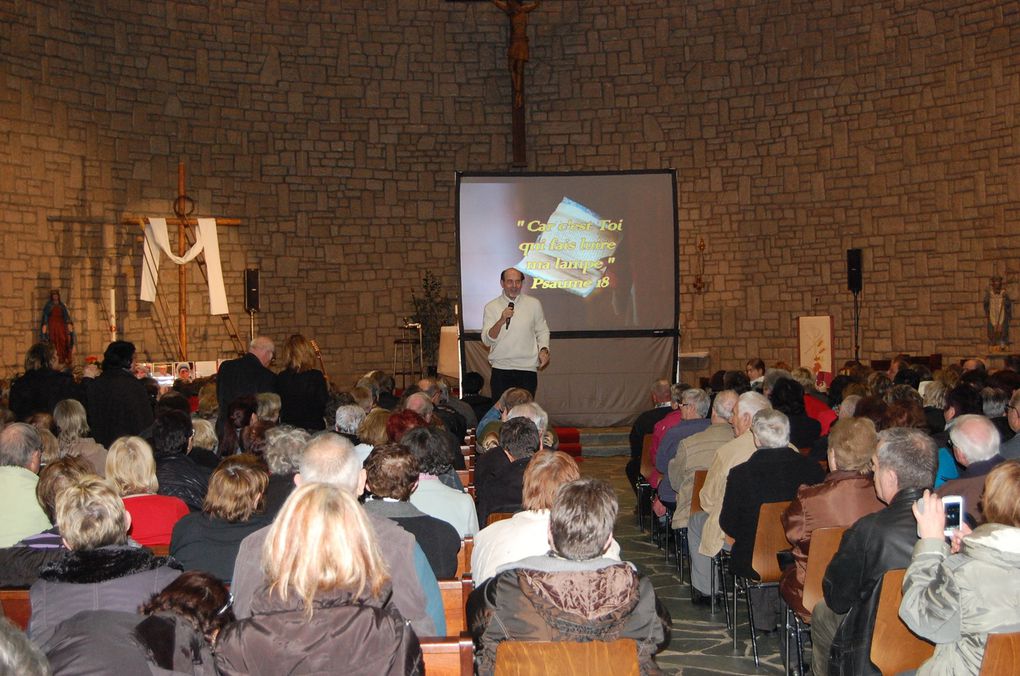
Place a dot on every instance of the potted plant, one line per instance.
(432, 309)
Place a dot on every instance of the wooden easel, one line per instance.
(183, 208)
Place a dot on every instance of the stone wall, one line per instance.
(799, 128)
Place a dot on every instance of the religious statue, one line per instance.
(57, 328)
(517, 52)
(998, 311)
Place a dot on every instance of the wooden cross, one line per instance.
(517, 56)
(183, 207)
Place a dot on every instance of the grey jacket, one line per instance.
(956, 601)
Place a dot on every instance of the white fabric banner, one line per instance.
(206, 239)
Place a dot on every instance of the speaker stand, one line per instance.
(251, 324)
(856, 316)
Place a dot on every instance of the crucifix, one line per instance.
(517, 56)
(183, 208)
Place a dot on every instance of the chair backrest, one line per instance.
(466, 476)
(17, 607)
(769, 539)
(699, 482)
(449, 656)
(454, 594)
(647, 468)
(498, 516)
(464, 557)
(1002, 654)
(538, 658)
(894, 648)
(824, 545)
(160, 550)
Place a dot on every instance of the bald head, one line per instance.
(660, 391)
(722, 407)
(330, 459)
(263, 348)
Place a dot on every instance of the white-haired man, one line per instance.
(705, 537)
(975, 442)
(330, 458)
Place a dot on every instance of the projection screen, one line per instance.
(599, 250)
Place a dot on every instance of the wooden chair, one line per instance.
(894, 648)
(160, 550)
(769, 539)
(643, 488)
(498, 516)
(464, 557)
(467, 477)
(454, 594)
(683, 553)
(1002, 653)
(17, 607)
(538, 658)
(824, 545)
(448, 656)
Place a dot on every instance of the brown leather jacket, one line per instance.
(838, 501)
(544, 598)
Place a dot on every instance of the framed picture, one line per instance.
(814, 334)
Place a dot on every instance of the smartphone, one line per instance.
(954, 513)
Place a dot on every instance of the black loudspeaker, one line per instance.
(251, 290)
(854, 274)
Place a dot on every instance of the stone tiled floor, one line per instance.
(701, 645)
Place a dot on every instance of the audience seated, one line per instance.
(72, 425)
(372, 430)
(956, 600)
(325, 605)
(773, 473)
(573, 593)
(499, 472)
(453, 421)
(20, 458)
(787, 396)
(101, 572)
(697, 452)
(391, 476)
(645, 424)
(346, 422)
(843, 622)
(975, 443)
(694, 407)
(420, 403)
(178, 475)
(53, 479)
(232, 511)
(205, 444)
(526, 534)
(131, 470)
(471, 387)
(284, 445)
(329, 458)
(434, 496)
(240, 414)
(847, 494)
(488, 426)
(173, 633)
(960, 400)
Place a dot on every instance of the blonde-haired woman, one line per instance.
(74, 440)
(132, 471)
(301, 386)
(326, 598)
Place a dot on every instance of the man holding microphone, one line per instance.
(514, 330)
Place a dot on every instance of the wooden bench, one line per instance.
(455, 595)
(538, 658)
(464, 557)
(17, 607)
(448, 656)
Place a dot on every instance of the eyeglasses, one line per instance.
(1012, 408)
(226, 606)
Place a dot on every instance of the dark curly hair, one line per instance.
(429, 447)
(198, 597)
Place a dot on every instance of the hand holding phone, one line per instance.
(930, 516)
(953, 506)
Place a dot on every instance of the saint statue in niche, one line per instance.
(998, 311)
(57, 328)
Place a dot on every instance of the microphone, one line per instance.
(511, 306)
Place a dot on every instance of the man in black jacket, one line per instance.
(499, 474)
(772, 474)
(842, 624)
(645, 424)
(248, 374)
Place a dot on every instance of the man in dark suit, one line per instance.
(772, 474)
(644, 424)
(245, 375)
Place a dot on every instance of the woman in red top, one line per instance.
(131, 468)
